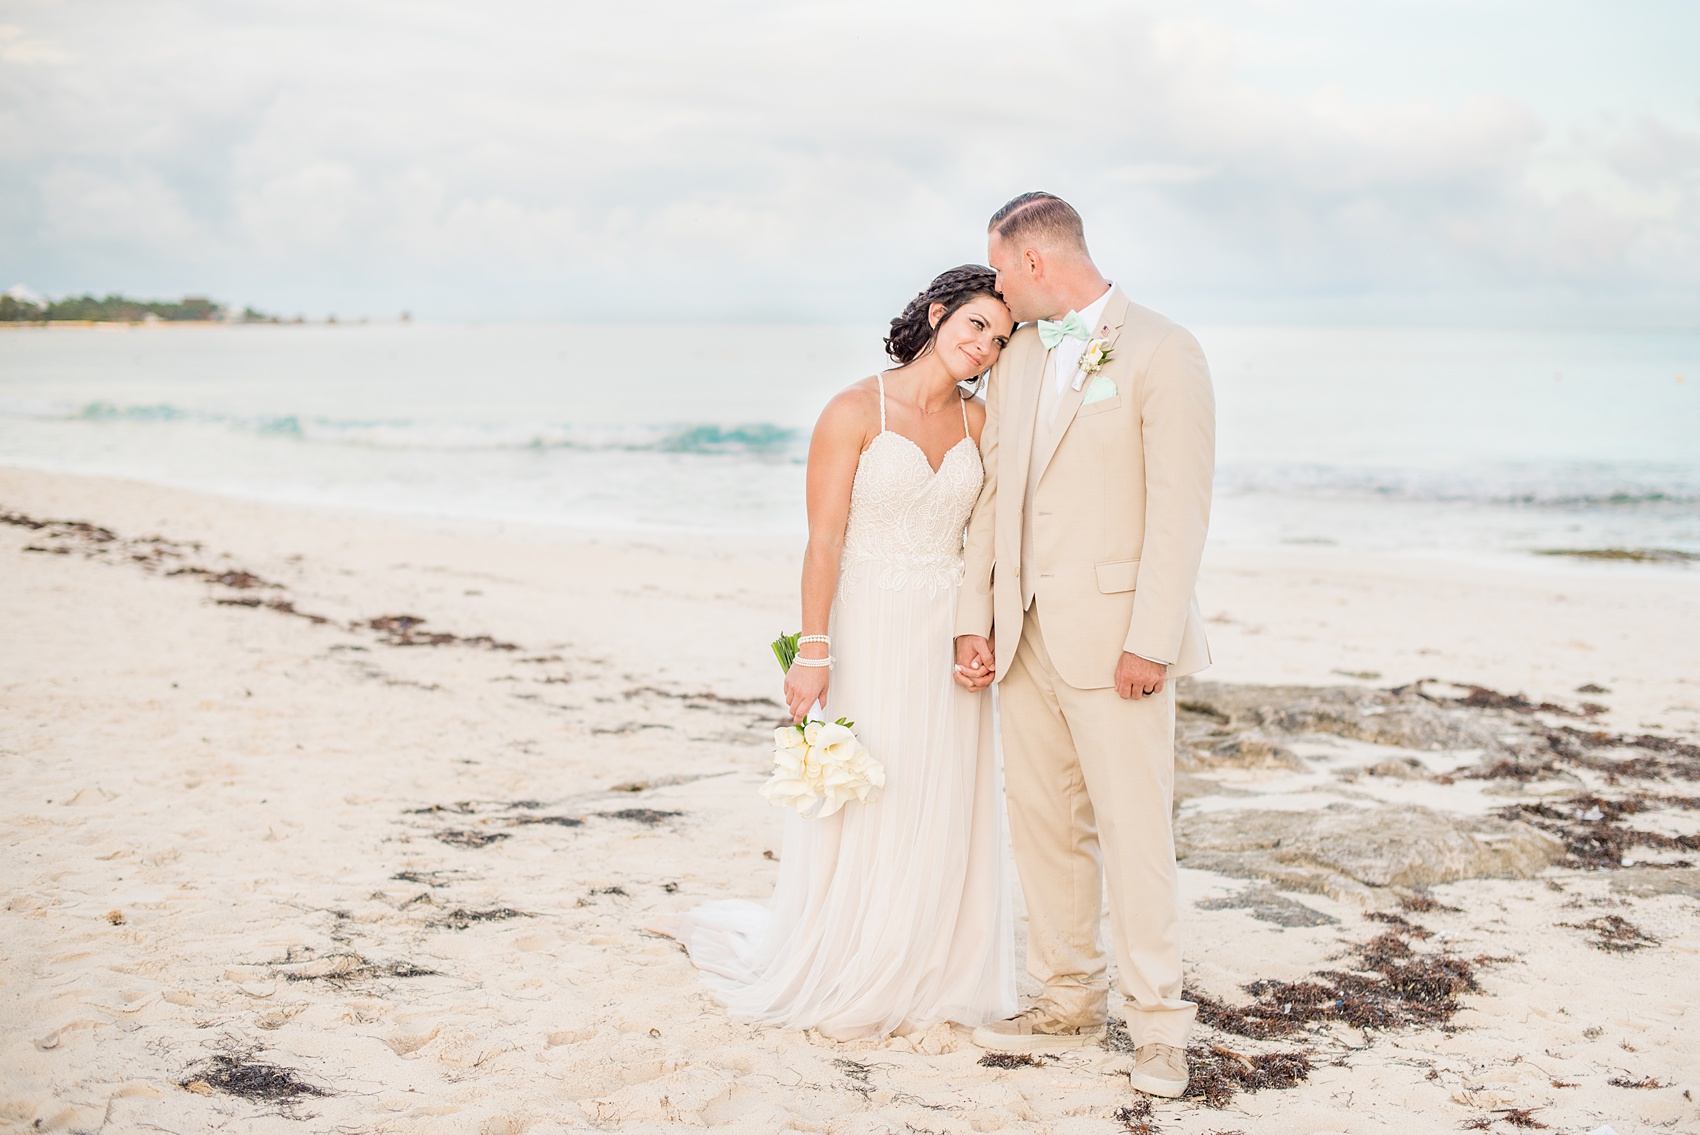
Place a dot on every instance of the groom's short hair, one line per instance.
(1039, 216)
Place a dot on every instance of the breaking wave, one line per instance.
(761, 440)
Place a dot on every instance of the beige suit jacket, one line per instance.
(1114, 499)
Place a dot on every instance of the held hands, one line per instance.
(976, 664)
(1138, 677)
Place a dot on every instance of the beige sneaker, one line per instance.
(1033, 1030)
(1159, 1070)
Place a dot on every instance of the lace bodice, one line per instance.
(906, 520)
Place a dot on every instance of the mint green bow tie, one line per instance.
(1052, 332)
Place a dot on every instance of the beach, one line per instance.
(324, 819)
(412, 424)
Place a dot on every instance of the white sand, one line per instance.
(239, 790)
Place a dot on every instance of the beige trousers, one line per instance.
(1090, 780)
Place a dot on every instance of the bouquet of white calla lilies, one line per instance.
(818, 766)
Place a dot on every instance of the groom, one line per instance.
(1082, 554)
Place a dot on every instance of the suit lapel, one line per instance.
(1109, 327)
(1024, 400)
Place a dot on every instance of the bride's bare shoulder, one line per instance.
(853, 411)
(976, 417)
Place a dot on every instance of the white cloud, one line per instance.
(803, 159)
(21, 49)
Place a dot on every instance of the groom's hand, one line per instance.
(1137, 677)
(975, 662)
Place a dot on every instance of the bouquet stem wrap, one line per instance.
(818, 766)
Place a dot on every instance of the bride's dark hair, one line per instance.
(912, 333)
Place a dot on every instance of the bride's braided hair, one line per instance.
(912, 333)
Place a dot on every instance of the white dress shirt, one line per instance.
(1064, 360)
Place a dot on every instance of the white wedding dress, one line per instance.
(895, 914)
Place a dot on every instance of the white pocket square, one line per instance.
(1100, 389)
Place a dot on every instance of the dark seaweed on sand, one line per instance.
(1480, 697)
(151, 552)
(62, 529)
(458, 838)
(1389, 986)
(858, 1076)
(1400, 923)
(1594, 834)
(648, 816)
(458, 808)
(1631, 555)
(1219, 1073)
(1136, 1118)
(460, 918)
(1614, 934)
(1552, 749)
(1520, 1117)
(403, 630)
(385, 969)
(558, 821)
(239, 580)
(1008, 1060)
(252, 1080)
(1591, 825)
(357, 967)
(707, 696)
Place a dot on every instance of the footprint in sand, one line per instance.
(403, 1044)
(570, 1036)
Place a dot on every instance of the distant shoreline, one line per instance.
(162, 324)
(20, 306)
(51, 324)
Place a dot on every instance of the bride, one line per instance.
(893, 915)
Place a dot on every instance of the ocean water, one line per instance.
(1414, 441)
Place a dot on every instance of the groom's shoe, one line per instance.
(1034, 1030)
(1159, 1070)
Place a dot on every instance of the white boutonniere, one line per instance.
(1093, 358)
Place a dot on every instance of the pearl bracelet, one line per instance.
(814, 638)
(827, 661)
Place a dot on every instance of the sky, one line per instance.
(1377, 162)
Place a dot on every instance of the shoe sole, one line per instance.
(1152, 1086)
(1035, 1042)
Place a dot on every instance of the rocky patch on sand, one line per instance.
(1605, 801)
(1342, 851)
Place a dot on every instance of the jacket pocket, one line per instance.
(1119, 575)
(1102, 406)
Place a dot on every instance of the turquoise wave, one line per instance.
(763, 440)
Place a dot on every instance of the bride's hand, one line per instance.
(804, 686)
(976, 662)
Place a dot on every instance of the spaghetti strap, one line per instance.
(880, 378)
